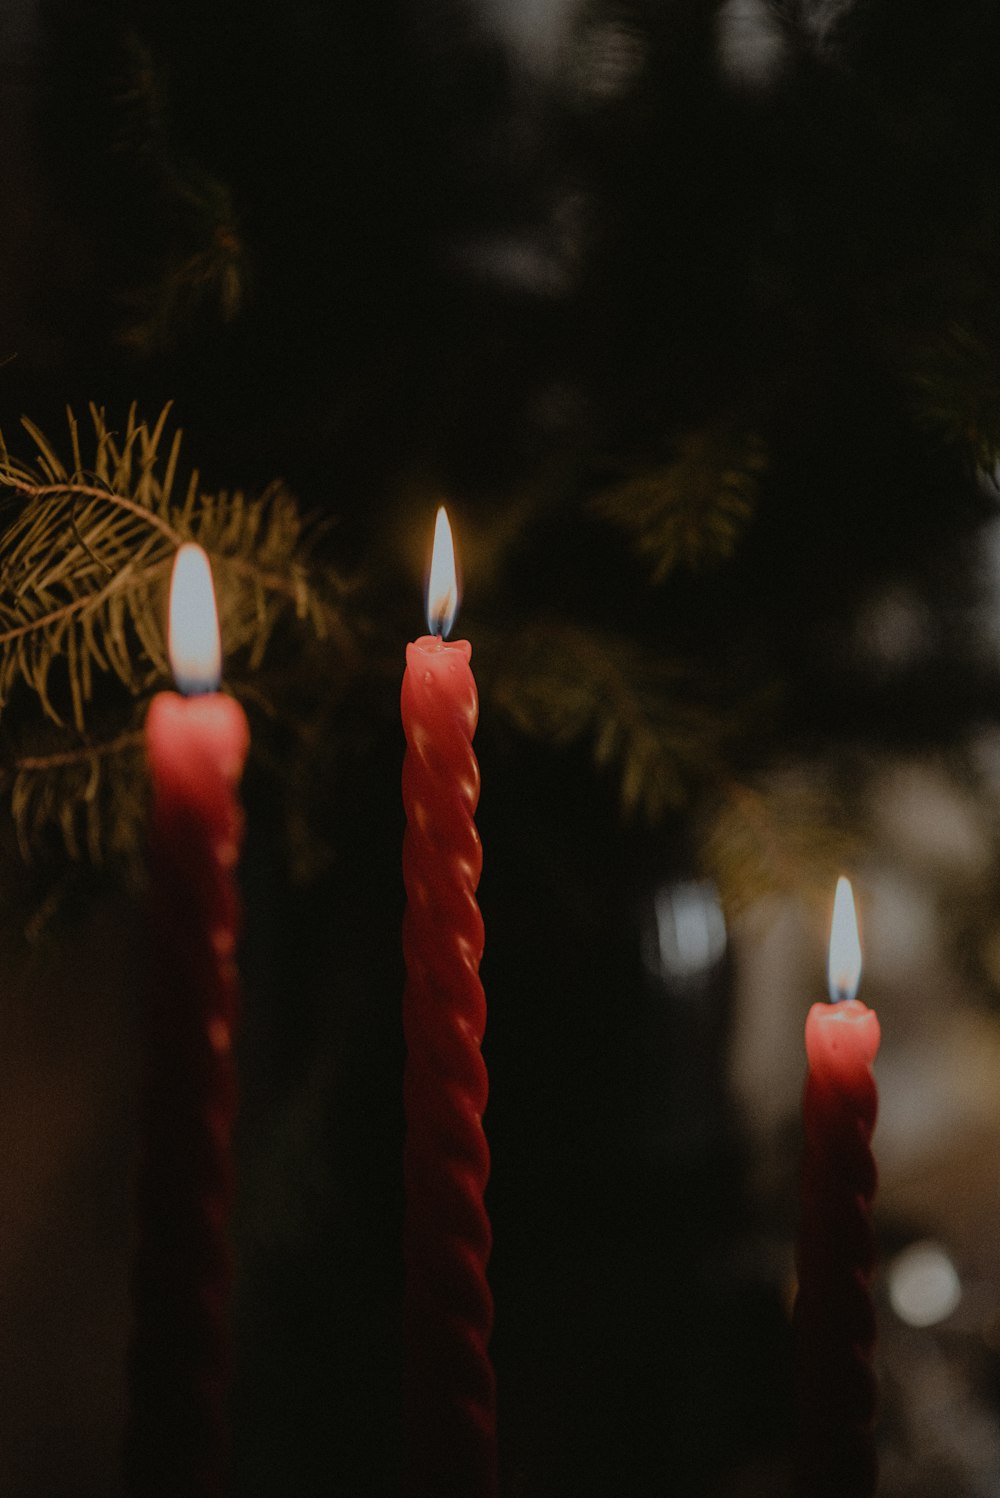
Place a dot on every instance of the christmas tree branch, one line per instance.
(91, 491)
(86, 548)
(790, 834)
(692, 509)
(82, 755)
(645, 715)
(84, 560)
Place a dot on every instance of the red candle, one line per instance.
(449, 1387)
(178, 1374)
(834, 1313)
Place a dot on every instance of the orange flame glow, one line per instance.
(844, 967)
(193, 634)
(442, 585)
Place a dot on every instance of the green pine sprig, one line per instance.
(692, 510)
(956, 385)
(647, 718)
(787, 835)
(91, 795)
(86, 550)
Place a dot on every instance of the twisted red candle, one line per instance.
(449, 1388)
(176, 1439)
(834, 1312)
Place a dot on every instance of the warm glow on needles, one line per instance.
(442, 585)
(193, 632)
(844, 967)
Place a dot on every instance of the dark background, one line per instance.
(516, 257)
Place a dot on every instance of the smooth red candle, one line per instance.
(834, 1312)
(449, 1385)
(176, 1440)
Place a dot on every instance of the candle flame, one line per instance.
(442, 585)
(844, 967)
(193, 632)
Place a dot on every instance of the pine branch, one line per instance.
(86, 552)
(86, 549)
(787, 836)
(93, 796)
(642, 714)
(690, 511)
(200, 269)
(957, 387)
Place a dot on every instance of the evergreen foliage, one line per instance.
(85, 555)
(791, 833)
(671, 274)
(645, 717)
(691, 511)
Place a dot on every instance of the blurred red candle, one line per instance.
(834, 1313)
(178, 1372)
(449, 1389)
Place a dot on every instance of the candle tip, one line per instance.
(442, 583)
(844, 963)
(193, 632)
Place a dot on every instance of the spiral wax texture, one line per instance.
(834, 1311)
(449, 1386)
(177, 1433)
